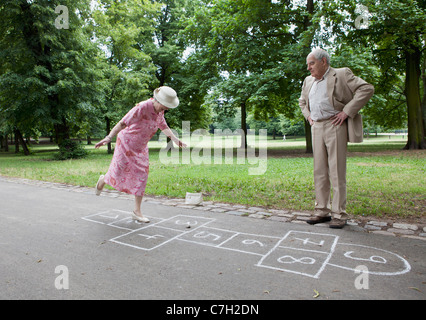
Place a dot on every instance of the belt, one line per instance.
(323, 120)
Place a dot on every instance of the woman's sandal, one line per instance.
(98, 192)
(139, 218)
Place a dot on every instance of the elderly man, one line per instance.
(330, 99)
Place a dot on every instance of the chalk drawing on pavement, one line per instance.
(303, 253)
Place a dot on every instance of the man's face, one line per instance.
(317, 68)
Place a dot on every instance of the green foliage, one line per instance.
(219, 55)
(69, 149)
(122, 29)
(394, 39)
(244, 40)
(179, 67)
(47, 74)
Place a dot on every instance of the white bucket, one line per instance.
(194, 198)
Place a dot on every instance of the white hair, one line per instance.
(319, 54)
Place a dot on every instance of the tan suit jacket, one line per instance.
(347, 93)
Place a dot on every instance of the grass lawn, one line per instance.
(382, 180)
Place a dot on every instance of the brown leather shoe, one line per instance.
(337, 223)
(318, 219)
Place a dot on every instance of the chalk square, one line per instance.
(184, 223)
(316, 242)
(108, 217)
(147, 238)
(207, 236)
(355, 257)
(292, 260)
(130, 224)
(250, 243)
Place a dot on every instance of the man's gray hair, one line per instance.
(319, 54)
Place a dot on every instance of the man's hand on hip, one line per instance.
(339, 118)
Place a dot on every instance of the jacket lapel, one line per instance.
(331, 80)
(308, 89)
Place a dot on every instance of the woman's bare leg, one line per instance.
(137, 214)
(138, 202)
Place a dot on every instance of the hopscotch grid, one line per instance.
(301, 249)
(145, 249)
(200, 243)
(169, 228)
(136, 230)
(244, 233)
(156, 225)
(209, 244)
(278, 245)
(324, 264)
(229, 239)
(95, 221)
(133, 246)
(144, 227)
(272, 250)
(406, 264)
(95, 214)
(219, 246)
(242, 251)
(113, 223)
(288, 270)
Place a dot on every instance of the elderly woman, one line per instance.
(128, 171)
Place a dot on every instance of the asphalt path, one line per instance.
(59, 244)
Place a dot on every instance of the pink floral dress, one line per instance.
(129, 168)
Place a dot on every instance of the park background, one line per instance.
(70, 70)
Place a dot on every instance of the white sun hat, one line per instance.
(166, 96)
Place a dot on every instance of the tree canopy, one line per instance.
(74, 68)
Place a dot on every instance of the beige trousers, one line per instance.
(329, 144)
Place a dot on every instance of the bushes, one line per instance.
(69, 149)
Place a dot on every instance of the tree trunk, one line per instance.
(416, 138)
(244, 126)
(6, 146)
(20, 140)
(308, 136)
(424, 93)
(108, 130)
(306, 24)
(62, 131)
(16, 142)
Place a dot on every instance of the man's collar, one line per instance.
(326, 73)
(324, 76)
